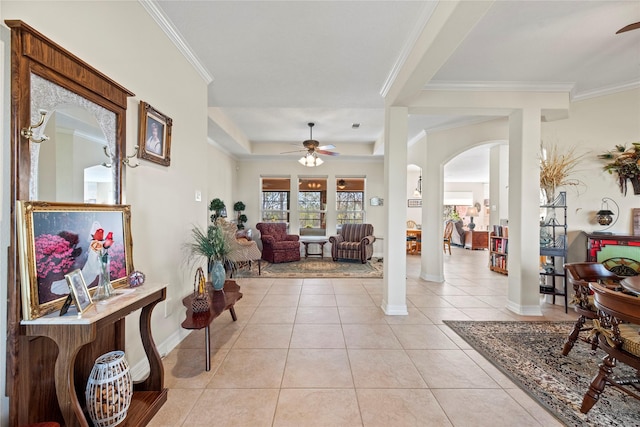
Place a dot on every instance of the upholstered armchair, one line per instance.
(242, 251)
(277, 245)
(355, 241)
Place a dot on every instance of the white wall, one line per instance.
(594, 126)
(121, 40)
(248, 189)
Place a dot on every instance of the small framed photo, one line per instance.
(414, 203)
(635, 212)
(79, 290)
(154, 136)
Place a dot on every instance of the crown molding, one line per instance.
(480, 86)
(174, 35)
(426, 13)
(609, 90)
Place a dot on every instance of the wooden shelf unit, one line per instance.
(499, 250)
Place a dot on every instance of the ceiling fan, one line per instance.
(629, 27)
(313, 147)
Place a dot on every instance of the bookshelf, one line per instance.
(499, 249)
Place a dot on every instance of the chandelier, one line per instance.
(310, 160)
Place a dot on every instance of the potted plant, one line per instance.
(624, 162)
(238, 207)
(211, 245)
(218, 208)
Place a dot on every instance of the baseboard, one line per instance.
(394, 310)
(524, 310)
(141, 369)
(432, 278)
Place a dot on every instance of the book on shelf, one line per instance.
(501, 231)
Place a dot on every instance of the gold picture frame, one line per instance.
(79, 290)
(54, 239)
(154, 135)
(635, 215)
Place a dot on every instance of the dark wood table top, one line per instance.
(219, 301)
(632, 284)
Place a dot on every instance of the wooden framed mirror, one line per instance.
(50, 86)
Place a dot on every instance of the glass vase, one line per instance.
(105, 289)
(218, 275)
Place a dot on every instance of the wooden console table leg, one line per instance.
(69, 342)
(155, 380)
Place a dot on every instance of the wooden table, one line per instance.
(632, 284)
(319, 242)
(476, 239)
(219, 301)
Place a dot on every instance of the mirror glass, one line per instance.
(75, 164)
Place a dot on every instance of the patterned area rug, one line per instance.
(315, 268)
(530, 353)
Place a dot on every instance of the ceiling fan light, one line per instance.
(310, 160)
(342, 184)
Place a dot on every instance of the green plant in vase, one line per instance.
(212, 245)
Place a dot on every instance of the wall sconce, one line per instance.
(471, 212)
(418, 191)
(605, 216)
(342, 184)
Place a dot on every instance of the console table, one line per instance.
(74, 335)
(476, 239)
(219, 301)
(618, 253)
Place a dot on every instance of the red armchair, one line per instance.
(277, 245)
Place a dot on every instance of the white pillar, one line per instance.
(524, 229)
(432, 224)
(394, 294)
(499, 184)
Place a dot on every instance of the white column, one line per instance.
(432, 224)
(394, 293)
(524, 229)
(499, 184)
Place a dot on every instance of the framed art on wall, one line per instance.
(154, 136)
(56, 239)
(414, 203)
(635, 214)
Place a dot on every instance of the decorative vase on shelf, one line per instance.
(218, 275)
(104, 289)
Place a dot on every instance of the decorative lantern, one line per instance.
(109, 390)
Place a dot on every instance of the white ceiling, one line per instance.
(277, 65)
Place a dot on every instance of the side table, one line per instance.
(319, 242)
(219, 301)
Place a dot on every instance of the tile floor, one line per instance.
(320, 352)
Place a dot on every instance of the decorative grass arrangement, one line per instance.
(556, 168)
(625, 162)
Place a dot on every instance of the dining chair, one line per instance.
(448, 231)
(580, 274)
(412, 238)
(618, 322)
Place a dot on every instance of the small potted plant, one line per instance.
(218, 208)
(238, 207)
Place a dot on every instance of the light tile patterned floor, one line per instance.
(320, 352)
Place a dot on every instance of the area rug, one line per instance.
(315, 268)
(530, 353)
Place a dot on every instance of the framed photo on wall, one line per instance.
(154, 136)
(55, 239)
